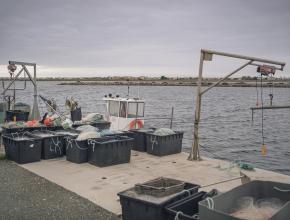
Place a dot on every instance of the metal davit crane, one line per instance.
(16, 77)
(207, 55)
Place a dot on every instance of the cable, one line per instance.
(263, 147)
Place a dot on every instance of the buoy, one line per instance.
(263, 150)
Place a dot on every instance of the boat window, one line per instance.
(123, 109)
(141, 109)
(132, 110)
(114, 108)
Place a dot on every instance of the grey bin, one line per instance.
(109, 151)
(164, 145)
(64, 134)
(139, 136)
(138, 206)
(226, 203)
(185, 209)
(76, 151)
(22, 147)
(52, 146)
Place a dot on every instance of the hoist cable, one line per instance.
(257, 93)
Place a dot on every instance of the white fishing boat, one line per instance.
(124, 113)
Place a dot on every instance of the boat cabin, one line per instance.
(125, 113)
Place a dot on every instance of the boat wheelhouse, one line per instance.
(125, 113)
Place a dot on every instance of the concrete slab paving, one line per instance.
(101, 185)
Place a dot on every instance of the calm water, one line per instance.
(226, 129)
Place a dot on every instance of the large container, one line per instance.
(164, 145)
(52, 145)
(22, 107)
(136, 206)
(19, 115)
(109, 151)
(65, 134)
(247, 199)
(76, 151)
(22, 147)
(76, 114)
(139, 136)
(185, 209)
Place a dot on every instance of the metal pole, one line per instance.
(194, 154)
(282, 64)
(227, 76)
(35, 111)
(171, 119)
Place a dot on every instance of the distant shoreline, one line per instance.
(176, 83)
(150, 81)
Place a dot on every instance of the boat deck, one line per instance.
(101, 185)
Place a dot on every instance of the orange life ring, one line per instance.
(136, 123)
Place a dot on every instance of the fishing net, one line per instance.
(85, 135)
(67, 124)
(163, 132)
(87, 128)
(261, 209)
(93, 117)
(106, 132)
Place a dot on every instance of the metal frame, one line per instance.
(206, 55)
(35, 110)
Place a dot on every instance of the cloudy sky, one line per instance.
(146, 37)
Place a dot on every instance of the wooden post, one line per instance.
(171, 119)
(194, 155)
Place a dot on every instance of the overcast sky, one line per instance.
(146, 37)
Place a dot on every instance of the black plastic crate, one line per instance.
(185, 209)
(136, 206)
(20, 115)
(119, 133)
(22, 147)
(164, 145)
(76, 151)
(139, 136)
(109, 151)
(229, 202)
(64, 134)
(52, 145)
(76, 114)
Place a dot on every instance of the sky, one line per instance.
(81, 38)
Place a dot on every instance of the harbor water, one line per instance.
(226, 128)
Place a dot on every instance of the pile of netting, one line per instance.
(261, 209)
(163, 132)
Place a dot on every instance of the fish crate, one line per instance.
(64, 134)
(52, 146)
(139, 136)
(110, 150)
(19, 115)
(160, 187)
(254, 200)
(22, 147)
(138, 206)
(164, 145)
(185, 209)
(76, 151)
